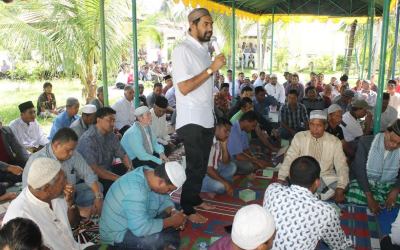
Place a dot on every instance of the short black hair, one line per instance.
(249, 116)
(47, 84)
(246, 88)
(167, 77)
(105, 111)
(391, 81)
(262, 73)
(386, 96)
(310, 88)
(161, 102)
(162, 173)
(259, 89)
(241, 73)
(223, 122)
(244, 101)
(229, 71)
(293, 92)
(65, 135)
(157, 84)
(344, 78)
(304, 171)
(21, 234)
(224, 85)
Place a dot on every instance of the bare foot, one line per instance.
(206, 206)
(8, 196)
(197, 218)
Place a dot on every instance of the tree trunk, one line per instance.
(350, 47)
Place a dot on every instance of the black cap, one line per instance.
(25, 106)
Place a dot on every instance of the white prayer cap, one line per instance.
(42, 171)
(273, 76)
(318, 114)
(333, 108)
(89, 109)
(176, 173)
(252, 226)
(141, 110)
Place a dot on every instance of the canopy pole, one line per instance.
(103, 53)
(233, 46)
(259, 46)
(365, 49)
(272, 41)
(371, 35)
(135, 54)
(382, 67)
(396, 39)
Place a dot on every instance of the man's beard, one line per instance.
(206, 37)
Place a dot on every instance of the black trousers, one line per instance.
(118, 169)
(386, 244)
(197, 142)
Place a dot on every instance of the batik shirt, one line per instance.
(302, 220)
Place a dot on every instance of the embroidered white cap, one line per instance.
(42, 171)
(89, 109)
(176, 173)
(318, 114)
(252, 226)
(141, 110)
(333, 108)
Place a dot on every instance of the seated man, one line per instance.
(99, 146)
(301, 219)
(140, 143)
(13, 158)
(376, 168)
(344, 99)
(159, 125)
(263, 101)
(170, 95)
(46, 104)
(27, 130)
(352, 128)
(293, 117)
(142, 97)
(235, 106)
(138, 213)
(125, 109)
(220, 169)
(157, 91)
(62, 149)
(21, 233)
(99, 101)
(276, 90)
(66, 118)
(312, 101)
(168, 84)
(389, 114)
(246, 105)
(42, 202)
(253, 228)
(327, 150)
(88, 118)
(238, 145)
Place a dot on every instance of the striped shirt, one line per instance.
(75, 168)
(130, 204)
(294, 119)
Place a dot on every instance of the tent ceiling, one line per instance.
(339, 8)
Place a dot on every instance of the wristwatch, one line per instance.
(98, 195)
(210, 71)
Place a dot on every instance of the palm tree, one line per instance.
(350, 47)
(67, 34)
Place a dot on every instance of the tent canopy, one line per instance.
(337, 8)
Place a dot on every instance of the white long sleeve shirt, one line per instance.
(159, 127)
(29, 135)
(125, 113)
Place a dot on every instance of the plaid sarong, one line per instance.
(379, 190)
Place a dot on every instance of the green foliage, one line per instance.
(323, 63)
(340, 61)
(281, 58)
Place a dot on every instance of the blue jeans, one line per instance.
(84, 196)
(157, 241)
(226, 171)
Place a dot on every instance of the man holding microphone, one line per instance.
(193, 79)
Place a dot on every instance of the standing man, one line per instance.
(194, 84)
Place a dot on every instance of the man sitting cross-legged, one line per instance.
(138, 213)
(301, 219)
(220, 169)
(327, 150)
(376, 168)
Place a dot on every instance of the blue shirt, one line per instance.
(132, 142)
(130, 204)
(61, 121)
(263, 107)
(238, 140)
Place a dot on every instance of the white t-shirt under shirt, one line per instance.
(351, 127)
(395, 103)
(189, 59)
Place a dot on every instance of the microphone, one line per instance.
(215, 45)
